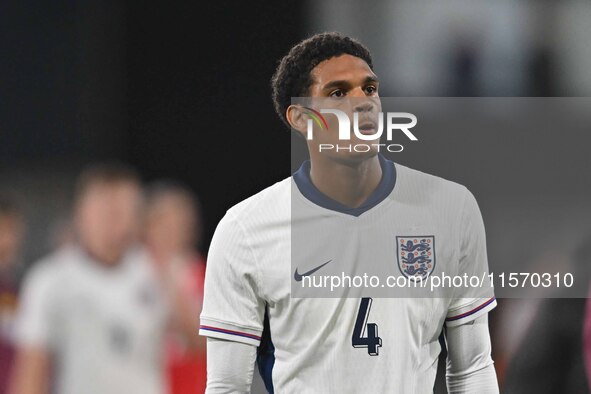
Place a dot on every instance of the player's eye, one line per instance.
(337, 93)
(371, 89)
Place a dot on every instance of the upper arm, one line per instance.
(230, 366)
(35, 332)
(470, 366)
(37, 315)
(233, 307)
(468, 346)
(470, 302)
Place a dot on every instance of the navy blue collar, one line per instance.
(302, 179)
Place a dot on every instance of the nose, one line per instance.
(363, 105)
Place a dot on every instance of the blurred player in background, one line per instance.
(12, 225)
(93, 313)
(172, 234)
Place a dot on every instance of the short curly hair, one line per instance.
(292, 77)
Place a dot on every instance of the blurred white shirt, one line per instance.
(103, 325)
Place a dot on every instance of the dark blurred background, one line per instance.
(168, 89)
(175, 90)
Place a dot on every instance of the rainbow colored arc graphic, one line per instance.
(317, 117)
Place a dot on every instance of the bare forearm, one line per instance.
(31, 372)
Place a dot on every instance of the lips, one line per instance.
(367, 128)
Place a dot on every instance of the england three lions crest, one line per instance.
(416, 256)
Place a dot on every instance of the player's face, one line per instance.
(11, 234)
(170, 225)
(346, 83)
(107, 218)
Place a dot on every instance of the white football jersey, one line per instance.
(103, 325)
(421, 224)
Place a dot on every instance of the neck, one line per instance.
(165, 255)
(347, 183)
(107, 258)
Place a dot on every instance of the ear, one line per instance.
(297, 119)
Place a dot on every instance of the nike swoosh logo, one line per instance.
(298, 277)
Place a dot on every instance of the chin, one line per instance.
(353, 157)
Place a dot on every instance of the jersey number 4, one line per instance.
(366, 334)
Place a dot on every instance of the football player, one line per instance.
(332, 345)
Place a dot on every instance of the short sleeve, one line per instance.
(471, 302)
(36, 315)
(233, 308)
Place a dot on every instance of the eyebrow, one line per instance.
(342, 83)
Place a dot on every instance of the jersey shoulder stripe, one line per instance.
(231, 332)
(469, 315)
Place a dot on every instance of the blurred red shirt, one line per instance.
(8, 300)
(187, 370)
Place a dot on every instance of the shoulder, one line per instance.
(53, 265)
(269, 204)
(410, 178)
(418, 186)
(49, 274)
